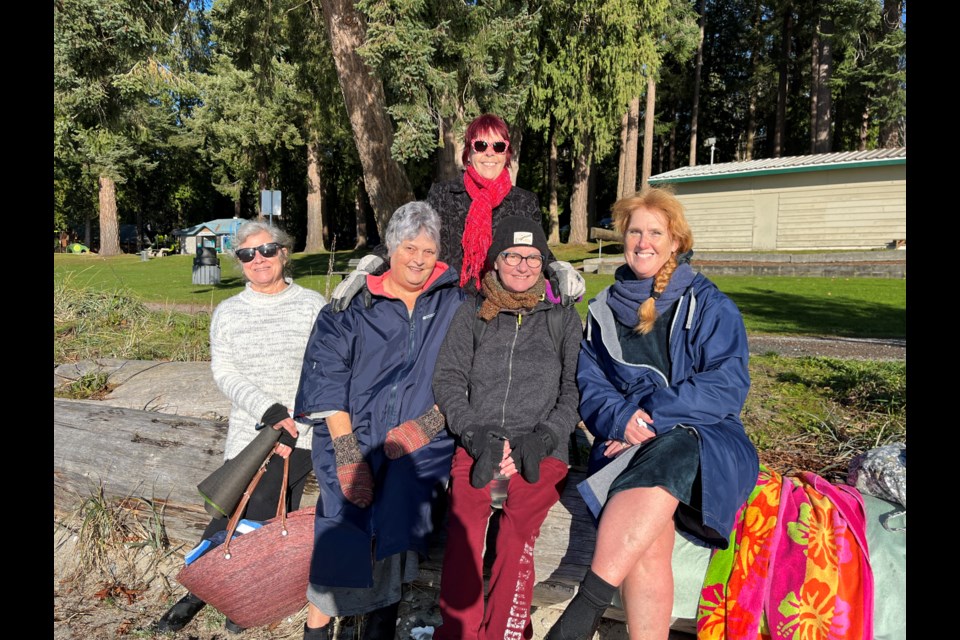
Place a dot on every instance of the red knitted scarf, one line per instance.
(478, 229)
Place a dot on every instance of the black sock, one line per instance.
(581, 618)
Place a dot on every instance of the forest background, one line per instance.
(172, 113)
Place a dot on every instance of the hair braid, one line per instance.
(647, 313)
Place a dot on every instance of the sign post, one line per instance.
(270, 203)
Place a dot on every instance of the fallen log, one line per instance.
(161, 458)
(138, 454)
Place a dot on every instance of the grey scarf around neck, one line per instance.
(627, 293)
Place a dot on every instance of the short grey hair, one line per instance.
(278, 235)
(408, 221)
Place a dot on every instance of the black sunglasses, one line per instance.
(481, 145)
(267, 250)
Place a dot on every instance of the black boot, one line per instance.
(232, 626)
(381, 624)
(180, 614)
(581, 618)
(320, 633)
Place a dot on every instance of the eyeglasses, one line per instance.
(498, 147)
(512, 259)
(267, 250)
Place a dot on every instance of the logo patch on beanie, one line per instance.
(522, 237)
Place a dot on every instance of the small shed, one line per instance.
(217, 234)
(849, 200)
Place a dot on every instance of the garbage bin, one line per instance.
(206, 266)
(145, 255)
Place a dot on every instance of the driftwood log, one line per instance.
(161, 458)
(610, 235)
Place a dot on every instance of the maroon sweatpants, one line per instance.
(507, 615)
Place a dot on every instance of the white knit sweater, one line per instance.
(257, 342)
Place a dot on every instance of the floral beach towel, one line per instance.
(797, 567)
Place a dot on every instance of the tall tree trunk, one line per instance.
(554, 206)
(672, 156)
(386, 184)
(516, 145)
(624, 123)
(448, 156)
(814, 87)
(109, 235)
(783, 68)
(628, 183)
(591, 201)
(755, 83)
(263, 183)
(580, 193)
(695, 108)
(661, 147)
(864, 129)
(360, 214)
(823, 141)
(315, 226)
(889, 126)
(648, 119)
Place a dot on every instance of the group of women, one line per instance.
(464, 365)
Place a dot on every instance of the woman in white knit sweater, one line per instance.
(257, 341)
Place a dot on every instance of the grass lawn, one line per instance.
(851, 307)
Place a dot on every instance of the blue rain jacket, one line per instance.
(706, 391)
(376, 363)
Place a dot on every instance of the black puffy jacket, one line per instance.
(451, 200)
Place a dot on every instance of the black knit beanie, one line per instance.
(516, 231)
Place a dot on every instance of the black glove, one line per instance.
(272, 416)
(529, 450)
(485, 446)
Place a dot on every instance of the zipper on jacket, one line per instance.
(392, 412)
(513, 345)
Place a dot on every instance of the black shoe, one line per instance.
(179, 615)
(381, 624)
(320, 633)
(233, 627)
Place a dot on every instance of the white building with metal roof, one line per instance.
(217, 234)
(848, 200)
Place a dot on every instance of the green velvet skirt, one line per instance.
(670, 461)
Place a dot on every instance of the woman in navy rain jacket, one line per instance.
(380, 451)
(663, 378)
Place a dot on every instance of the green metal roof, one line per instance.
(791, 164)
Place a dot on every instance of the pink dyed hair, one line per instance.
(479, 126)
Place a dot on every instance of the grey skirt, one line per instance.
(389, 576)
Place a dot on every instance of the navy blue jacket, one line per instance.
(706, 391)
(376, 364)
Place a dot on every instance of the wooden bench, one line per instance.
(352, 265)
